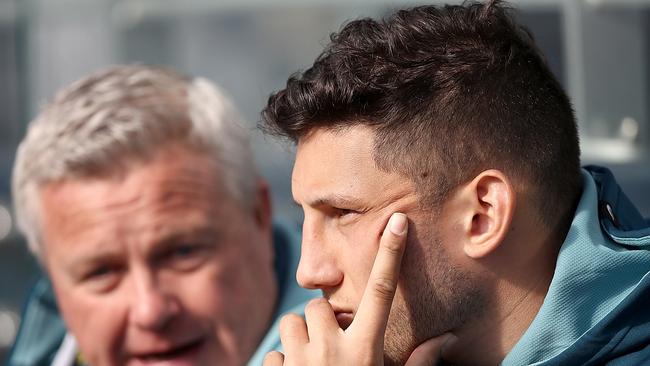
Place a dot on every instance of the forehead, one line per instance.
(175, 181)
(349, 148)
(340, 162)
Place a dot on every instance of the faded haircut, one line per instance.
(450, 91)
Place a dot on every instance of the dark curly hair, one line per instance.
(450, 91)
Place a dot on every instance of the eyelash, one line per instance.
(341, 212)
(103, 277)
(100, 272)
(185, 250)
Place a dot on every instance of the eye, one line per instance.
(183, 251)
(102, 278)
(99, 272)
(185, 257)
(341, 212)
(346, 216)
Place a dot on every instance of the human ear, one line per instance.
(490, 199)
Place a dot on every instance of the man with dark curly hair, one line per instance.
(449, 117)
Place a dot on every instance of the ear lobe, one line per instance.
(493, 205)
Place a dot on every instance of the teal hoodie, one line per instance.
(597, 309)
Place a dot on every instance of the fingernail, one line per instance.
(397, 224)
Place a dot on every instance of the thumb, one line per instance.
(428, 353)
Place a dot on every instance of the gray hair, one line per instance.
(99, 124)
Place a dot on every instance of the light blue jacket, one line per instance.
(597, 309)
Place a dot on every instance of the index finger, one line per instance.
(373, 311)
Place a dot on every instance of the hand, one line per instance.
(319, 340)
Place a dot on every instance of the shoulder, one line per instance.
(41, 329)
(621, 338)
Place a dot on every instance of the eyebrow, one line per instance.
(204, 232)
(104, 252)
(335, 200)
(82, 263)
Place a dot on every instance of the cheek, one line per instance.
(358, 257)
(250, 285)
(98, 323)
(226, 291)
(237, 301)
(205, 292)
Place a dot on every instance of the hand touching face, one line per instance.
(318, 339)
(347, 201)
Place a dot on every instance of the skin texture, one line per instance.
(160, 265)
(318, 340)
(347, 202)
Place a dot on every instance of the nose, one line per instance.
(153, 307)
(318, 267)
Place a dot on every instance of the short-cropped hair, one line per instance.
(450, 91)
(100, 125)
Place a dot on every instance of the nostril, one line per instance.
(320, 275)
(153, 309)
(305, 277)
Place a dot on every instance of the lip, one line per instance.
(180, 355)
(344, 318)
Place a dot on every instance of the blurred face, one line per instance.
(347, 202)
(160, 266)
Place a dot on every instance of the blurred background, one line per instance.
(599, 50)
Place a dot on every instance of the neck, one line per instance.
(486, 341)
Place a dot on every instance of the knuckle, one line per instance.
(384, 288)
(316, 305)
(273, 358)
(291, 323)
(393, 246)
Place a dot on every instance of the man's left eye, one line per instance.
(184, 250)
(346, 213)
(103, 278)
(186, 257)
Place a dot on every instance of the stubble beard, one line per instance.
(435, 296)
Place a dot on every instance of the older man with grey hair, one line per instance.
(136, 190)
